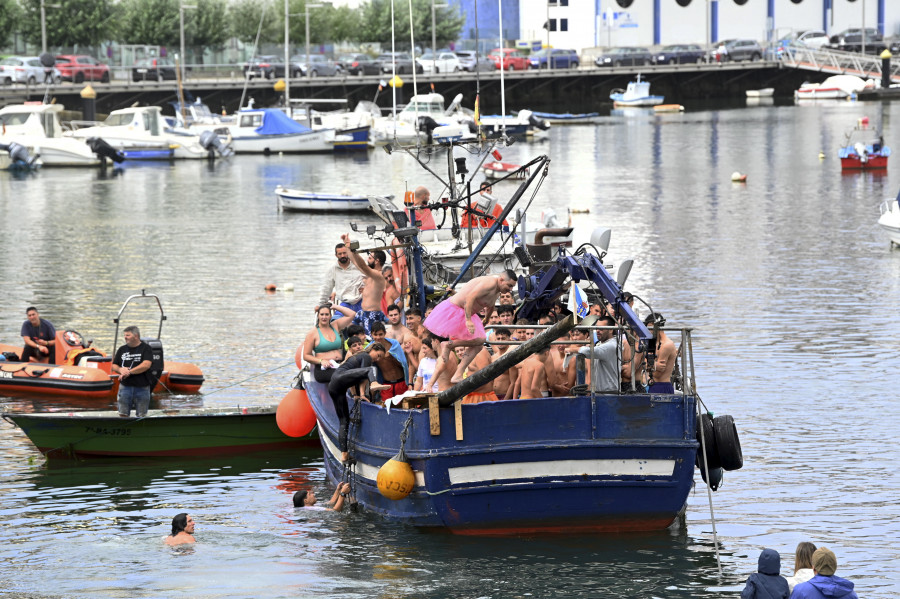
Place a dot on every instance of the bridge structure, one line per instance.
(584, 89)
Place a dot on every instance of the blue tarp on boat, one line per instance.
(276, 122)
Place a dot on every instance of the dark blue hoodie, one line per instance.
(824, 587)
(767, 583)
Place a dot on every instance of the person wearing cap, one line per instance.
(824, 585)
(767, 582)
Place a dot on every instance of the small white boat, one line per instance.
(636, 94)
(836, 87)
(142, 133)
(310, 201)
(765, 92)
(36, 126)
(890, 219)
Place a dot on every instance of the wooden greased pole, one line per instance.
(510, 359)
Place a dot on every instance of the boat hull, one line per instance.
(555, 465)
(314, 141)
(889, 221)
(307, 201)
(194, 432)
(645, 101)
(853, 162)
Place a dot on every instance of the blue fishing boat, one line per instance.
(637, 93)
(588, 462)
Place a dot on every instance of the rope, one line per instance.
(241, 382)
(712, 514)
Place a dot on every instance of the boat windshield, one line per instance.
(14, 118)
(118, 120)
(425, 107)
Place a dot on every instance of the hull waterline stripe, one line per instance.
(560, 468)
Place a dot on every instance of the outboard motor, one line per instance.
(428, 125)
(103, 150)
(20, 154)
(541, 124)
(156, 368)
(211, 142)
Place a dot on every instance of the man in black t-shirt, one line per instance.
(39, 337)
(133, 361)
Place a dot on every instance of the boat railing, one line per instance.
(75, 125)
(683, 377)
(836, 62)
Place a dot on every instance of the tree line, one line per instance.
(211, 23)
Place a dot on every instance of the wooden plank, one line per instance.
(434, 416)
(457, 413)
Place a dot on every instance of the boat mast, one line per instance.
(287, 56)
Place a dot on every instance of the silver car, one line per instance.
(317, 65)
(26, 69)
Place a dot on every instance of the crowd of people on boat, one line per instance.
(813, 577)
(360, 310)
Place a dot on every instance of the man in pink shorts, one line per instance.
(455, 320)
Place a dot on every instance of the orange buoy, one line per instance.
(271, 287)
(295, 415)
(396, 478)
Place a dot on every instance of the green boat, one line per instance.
(172, 432)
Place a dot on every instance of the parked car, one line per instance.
(403, 61)
(25, 69)
(358, 64)
(265, 67)
(680, 54)
(811, 38)
(472, 61)
(509, 59)
(851, 40)
(443, 62)
(153, 69)
(78, 68)
(736, 50)
(554, 58)
(624, 56)
(318, 65)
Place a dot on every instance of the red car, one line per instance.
(511, 59)
(78, 68)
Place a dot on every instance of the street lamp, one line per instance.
(434, 36)
(308, 61)
(181, 8)
(44, 25)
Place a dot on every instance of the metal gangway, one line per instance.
(837, 62)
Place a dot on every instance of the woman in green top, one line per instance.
(324, 343)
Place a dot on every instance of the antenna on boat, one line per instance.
(502, 81)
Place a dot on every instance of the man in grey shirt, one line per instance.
(344, 280)
(607, 358)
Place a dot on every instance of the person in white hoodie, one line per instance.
(803, 569)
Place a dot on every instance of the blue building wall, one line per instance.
(489, 29)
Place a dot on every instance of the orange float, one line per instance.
(295, 416)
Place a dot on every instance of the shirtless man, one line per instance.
(506, 299)
(486, 391)
(556, 373)
(392, 369)
(580, 337)
(395, 328)
(455, 319)
(505, 383)
(533, 378)
(391, 292)
(632, 360)
(414, 321)
(661, 373)
(373, 290)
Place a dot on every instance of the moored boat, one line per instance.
(309, 201)
(836, 87)
(889, 221)
(636, 93)
(171, 432)
(863, 148)
(568, 118)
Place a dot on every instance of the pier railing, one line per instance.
(838, 63)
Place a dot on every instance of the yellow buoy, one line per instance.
(396, 478)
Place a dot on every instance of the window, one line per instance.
(564, 24)
(552, 24)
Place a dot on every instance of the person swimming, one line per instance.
(182, 529)
(307, 499)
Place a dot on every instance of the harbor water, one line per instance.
(790, 286)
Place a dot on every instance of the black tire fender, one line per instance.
(706, 421)
(727, 443)
(716, 475)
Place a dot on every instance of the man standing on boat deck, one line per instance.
(132, 362)
(343, 280)
(423, 214)
(455, 320)
(39, 337)
(606, 363)
(661, 370)
(373, 289)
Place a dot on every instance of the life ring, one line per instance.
(709, 436)
(727, 443)
(73, 338)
